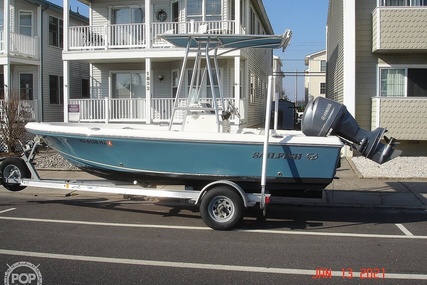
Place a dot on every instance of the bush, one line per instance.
(13, 118)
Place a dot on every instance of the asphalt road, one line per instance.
(88, 239)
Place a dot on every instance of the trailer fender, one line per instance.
(235, 186)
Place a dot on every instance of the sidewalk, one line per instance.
(347, 191)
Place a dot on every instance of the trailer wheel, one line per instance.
(222, 208)
(14, 168)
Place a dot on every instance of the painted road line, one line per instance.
(282, 232)
(104, 224)
(404, 230)
(335, 234)
(8, 210)
(186, 265)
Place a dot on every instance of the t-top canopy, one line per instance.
(229, 41)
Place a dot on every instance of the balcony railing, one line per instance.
(107, 37)
(131, 109)
(399, 29)
(133, 36)
(20, 45)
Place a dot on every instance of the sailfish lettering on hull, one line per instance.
(281, 155)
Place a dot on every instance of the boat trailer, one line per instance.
(221, 203)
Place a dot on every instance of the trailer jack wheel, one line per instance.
(12, 170)
(222, 208)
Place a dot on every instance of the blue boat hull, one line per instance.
(195, 164)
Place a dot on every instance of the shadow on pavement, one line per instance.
(292, 217)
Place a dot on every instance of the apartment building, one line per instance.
(134, 72)
(315, 75)
(377, 66)
(31, 42)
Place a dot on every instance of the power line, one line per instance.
(300, 73)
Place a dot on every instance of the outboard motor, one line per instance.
(324, 117)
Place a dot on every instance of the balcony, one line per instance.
(404, 117)
(399, 29)
(133, 36)
(137, 110)
(20, 45)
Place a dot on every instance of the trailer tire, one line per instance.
(222, 208)
(14, 167)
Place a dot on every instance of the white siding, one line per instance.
(335, 52)
(52, 65)
(260, 64)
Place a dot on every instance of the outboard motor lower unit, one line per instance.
(324, 117)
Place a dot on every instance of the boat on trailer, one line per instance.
(224, 168)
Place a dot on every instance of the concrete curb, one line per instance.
(354, 168)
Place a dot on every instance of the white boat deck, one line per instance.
(156, 132)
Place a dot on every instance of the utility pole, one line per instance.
(296, 86)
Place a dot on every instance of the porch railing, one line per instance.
(114, 36)
(20, 45)
(130, 109)
(27, 110)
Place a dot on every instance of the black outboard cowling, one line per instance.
(324, 117)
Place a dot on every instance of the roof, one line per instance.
(59, 9)
(319, 53)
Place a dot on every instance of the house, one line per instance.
(315, 75)
(30, 54)
(377, 66)
(134, 73)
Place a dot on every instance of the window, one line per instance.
(128, 85)
(252, 89)
(194, 10)
(56, 91)
(1, 86)
(204, 10)
(214, 86)
(128, 15)
(323, 66)
(417, 84)
(253, 21)
(85, 88)
(392, 82)
(233, 10)
(124, 34)
(213, 10)
(26, 86)
(403, 2)
(55, 32)
(26, 23)
(403, 82)
(175, 82)
(322, 88)
(1, 19)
